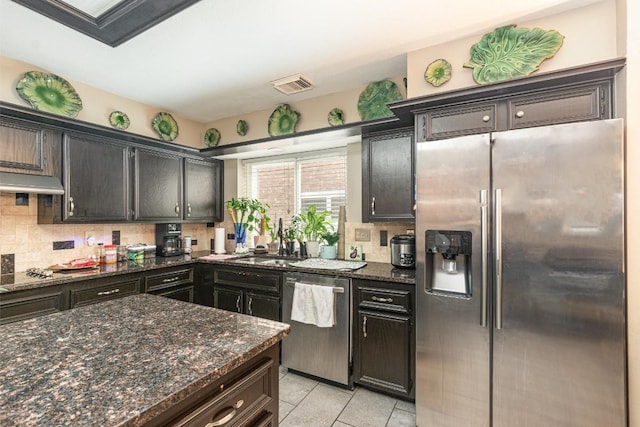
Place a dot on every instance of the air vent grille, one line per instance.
(292, 84)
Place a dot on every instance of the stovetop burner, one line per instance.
(39, 273)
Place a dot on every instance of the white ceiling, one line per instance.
(216, 58)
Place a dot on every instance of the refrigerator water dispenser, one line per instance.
(448, 255)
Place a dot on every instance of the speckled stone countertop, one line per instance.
(120, 362)
(372, 271)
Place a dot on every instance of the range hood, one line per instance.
(25, 183)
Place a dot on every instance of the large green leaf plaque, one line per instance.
(509, 52)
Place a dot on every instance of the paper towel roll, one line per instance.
(218, 242)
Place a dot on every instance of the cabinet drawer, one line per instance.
(249, 278)
(239, 403)
(168, 279)
(456, 121)
(21, 307)
(105, 292)
(397, 301)
(560, 106)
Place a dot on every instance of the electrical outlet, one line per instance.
(90, 238)
(362, 235)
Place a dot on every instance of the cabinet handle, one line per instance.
(111, 292)
(172, 279)
(373, 206)
(250, 306)
(486, 118)
(177, 209)
(188, 209)
(378, 299)
(229, 412)
(520, 114)
(238, 304)
(364, 326)
(72, 206)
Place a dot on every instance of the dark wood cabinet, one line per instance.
(30, 303)
(105, 289)
(384, 337)
(248, 290)
(96, 179)
(388, 186)
(202, 190)
(158, 186)
(564, 104)
(176, 283)
(30, 148)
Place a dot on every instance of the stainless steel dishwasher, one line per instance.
(322, 352)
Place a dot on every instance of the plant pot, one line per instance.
(313, 249)
(303, 249)
(291, 248)
(328, 252)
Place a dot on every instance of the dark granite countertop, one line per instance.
(372, 271)
(120, 362)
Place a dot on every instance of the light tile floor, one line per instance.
(308, 403)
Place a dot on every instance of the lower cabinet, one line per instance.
(23, 305)
(100, 290)
(249, 291)
(247, 396)
(176, 283)
(384, 337)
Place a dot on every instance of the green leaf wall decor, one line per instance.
(372, 102)
(509, 52)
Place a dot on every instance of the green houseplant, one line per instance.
(314, 224)
(330, 251)
(247, 215)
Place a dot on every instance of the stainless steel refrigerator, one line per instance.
(520, 278)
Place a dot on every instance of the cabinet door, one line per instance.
(203, 190)
(573, 104)
(158, 186)
(459, 120)
(100, 290)
(388, 177)
(28, 148)
(383, 359)
(180, 292)
(96, 180)
(228, 299)
(261, 305)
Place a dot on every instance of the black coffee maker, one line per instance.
(168, 239)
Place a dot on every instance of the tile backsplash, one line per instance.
(26, 243)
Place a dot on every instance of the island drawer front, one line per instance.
(249, 278)
(397, 301)
(108, 291)
(168, 279)
(21, 308)
(243, 402)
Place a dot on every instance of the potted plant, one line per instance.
(314, 225)
(289, 236)
(246, 215)
(330, 251)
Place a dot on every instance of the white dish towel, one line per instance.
(313, 304)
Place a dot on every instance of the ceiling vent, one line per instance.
(292, 84)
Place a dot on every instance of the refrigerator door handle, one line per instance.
(498, 251)
(485, 257)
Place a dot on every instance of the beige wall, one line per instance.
(97, 105)
(313, 115)
(580, 46)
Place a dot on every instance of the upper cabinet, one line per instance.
(27, 147)
(202, 190)
(158, 186)
(96, 178)
(388, 176)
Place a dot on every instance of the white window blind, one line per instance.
(290, 184)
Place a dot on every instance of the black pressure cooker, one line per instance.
(403, 251)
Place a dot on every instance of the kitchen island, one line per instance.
(139, 360)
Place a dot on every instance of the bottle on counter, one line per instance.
(100, 253)
(186, 244)
(110, 254)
